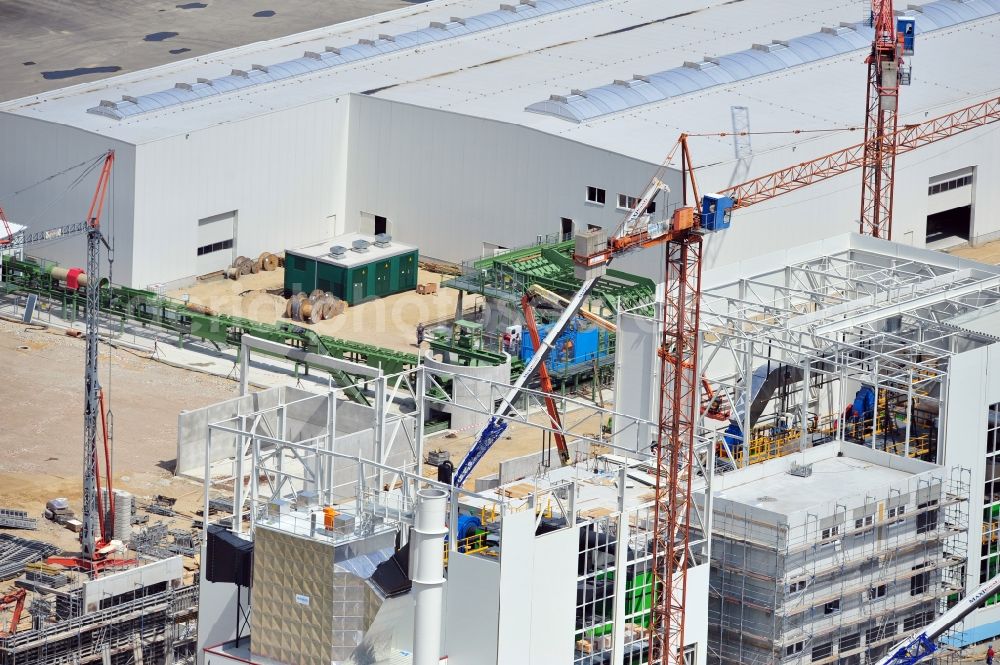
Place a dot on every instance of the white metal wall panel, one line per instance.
(517, 552)
(553, 602)
(282, 171)
(696, 611)
(636, 382)
(451, 182)
(472, 610)
(36, 172)
(973, 384)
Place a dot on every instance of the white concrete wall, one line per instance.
(169, 570)
(449, 183)
(35, 176)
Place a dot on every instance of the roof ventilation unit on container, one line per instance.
(338, 250)
(360, 246)
(383, 240)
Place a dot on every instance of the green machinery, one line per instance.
(507, 276)
(149, 309)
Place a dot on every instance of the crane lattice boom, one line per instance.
(905, 139)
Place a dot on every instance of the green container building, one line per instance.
(354, 267)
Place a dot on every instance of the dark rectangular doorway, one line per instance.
(566, 228)
(952, 223)
(381, 225)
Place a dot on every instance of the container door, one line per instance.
(407, 272)
(383, 278)
(359, 282)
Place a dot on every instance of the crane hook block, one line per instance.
(716, 212)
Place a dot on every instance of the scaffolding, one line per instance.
(151, 627)
(842, 584)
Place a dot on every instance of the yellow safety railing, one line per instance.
(766, 444)
(488, 514)
(475, 544)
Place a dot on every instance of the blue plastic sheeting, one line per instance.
(132, 106)
(964, 638)
(625, 95)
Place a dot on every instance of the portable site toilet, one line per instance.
(353, 267)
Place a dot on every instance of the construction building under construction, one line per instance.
(828, 537)
(791, 431)
(142, 615)
(832, 556)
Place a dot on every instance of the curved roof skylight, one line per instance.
(332, 57)
(584, 105)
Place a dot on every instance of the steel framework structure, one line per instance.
(889, 321)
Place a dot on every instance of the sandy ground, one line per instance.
(50, 44)
(518, 440)
(42, 394)
(986, 253)
(388, 322)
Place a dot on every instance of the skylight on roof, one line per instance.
(584, 105)
(333, 57)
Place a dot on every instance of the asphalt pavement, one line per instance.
(50, 44)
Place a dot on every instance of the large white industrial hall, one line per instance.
(463, 127)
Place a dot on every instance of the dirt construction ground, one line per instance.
(42, 435)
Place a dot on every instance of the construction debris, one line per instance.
(17, 519)
(153, 542)
(161, 505)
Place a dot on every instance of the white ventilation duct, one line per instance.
(427, 566)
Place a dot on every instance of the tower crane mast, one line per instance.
(92, 397)
(885, 74)
(93, 537)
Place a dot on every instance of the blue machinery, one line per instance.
(922, 644)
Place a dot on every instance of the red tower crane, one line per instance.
(678, 347)
(678, 407)
(93, 542)
(885, 74)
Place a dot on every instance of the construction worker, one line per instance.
(990, 653)
(420, 334)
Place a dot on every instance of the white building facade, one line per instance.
(453, 137)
